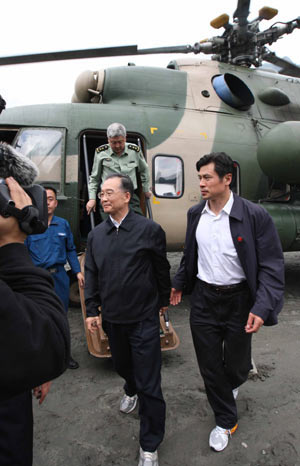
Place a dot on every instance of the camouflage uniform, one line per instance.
(106, 163)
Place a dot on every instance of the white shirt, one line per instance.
(116, 224)
(218, 262)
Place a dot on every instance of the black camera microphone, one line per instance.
(33, 219)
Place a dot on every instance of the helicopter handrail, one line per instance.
(148, 204)
(87, 171)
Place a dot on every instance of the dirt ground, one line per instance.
(79, 424)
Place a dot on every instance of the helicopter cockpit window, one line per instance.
(233, 91)
(44, 148)
(168, 176)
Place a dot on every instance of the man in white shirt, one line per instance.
(233, 267)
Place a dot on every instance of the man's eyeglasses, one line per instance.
(109, 193)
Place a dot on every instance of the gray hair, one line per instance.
(116, 129)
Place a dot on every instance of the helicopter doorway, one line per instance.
(91, 139)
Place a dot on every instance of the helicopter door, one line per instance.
(90, 142)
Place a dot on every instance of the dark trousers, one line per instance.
(136, 355)
(62, 285)
(16, 431)
(222, 346)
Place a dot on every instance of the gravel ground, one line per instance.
(79, 424)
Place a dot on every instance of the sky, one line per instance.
(36, 26)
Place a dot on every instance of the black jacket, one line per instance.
(258, 247)
(126, 270)
(35, 340)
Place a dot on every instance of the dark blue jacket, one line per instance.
(258, 247)
(54, 247)
(126, 270)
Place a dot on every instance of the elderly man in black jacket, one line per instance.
(233, 267)
(35, 340)
(127, 274)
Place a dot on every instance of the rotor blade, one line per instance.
(171, 49)
(70, 55)
(242, 12)
(93, 53)
(286, 67)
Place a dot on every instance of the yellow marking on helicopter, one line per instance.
(152, 129)
(204, 134)
(155, 201)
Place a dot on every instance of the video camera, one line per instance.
(32, 219)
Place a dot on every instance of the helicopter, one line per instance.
(177, 114)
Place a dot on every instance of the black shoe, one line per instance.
(73, 364)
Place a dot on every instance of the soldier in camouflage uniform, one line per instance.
(118, 157)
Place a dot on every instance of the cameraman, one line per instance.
(34, 341)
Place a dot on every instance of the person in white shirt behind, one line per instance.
(233, 267)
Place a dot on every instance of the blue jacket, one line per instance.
(54, 247)
(258, 247)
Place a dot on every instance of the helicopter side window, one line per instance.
(44, 148)
(168, 176)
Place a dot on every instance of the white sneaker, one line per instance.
(128, 403)
(148, 458)
(219, 437)
(235, 392)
